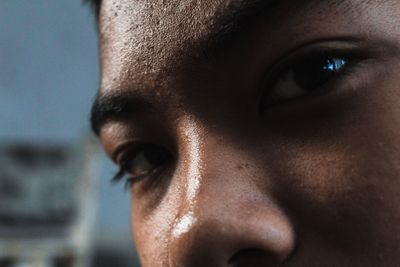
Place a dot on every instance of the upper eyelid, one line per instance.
(121, 154)
(140, 136)
(125, 149)
(124, 154)
(123, 159)
(344, 43)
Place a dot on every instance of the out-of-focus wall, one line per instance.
(48, 77)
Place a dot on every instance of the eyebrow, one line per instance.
(116, 105)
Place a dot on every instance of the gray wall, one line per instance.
(48, 77)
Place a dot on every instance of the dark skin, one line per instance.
(255, 133)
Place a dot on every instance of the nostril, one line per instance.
(246, 253)
(253, 257)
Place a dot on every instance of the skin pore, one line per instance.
(255, 133)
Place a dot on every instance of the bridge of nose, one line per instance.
(226, 208)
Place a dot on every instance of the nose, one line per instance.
(246, 235)
(232, 221)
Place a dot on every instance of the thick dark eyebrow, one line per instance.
(116, 105)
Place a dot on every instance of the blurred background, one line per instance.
(57, 206)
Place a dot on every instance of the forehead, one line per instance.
(142, 17)
(152, 33)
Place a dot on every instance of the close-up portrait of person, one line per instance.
(254, 132)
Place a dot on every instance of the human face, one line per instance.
(255, 133)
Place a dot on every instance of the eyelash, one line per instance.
(122, 174)
(129, 156)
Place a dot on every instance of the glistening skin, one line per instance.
(255, 133)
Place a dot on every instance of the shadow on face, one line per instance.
(255, 133)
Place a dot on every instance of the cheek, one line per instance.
(153, 217)
(343, 186)
(151, 237)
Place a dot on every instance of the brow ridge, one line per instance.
(110, 106)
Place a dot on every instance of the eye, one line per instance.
(145, 161)
(306, 76)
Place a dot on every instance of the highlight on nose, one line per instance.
(256, 234)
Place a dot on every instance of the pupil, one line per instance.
(311, 74)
